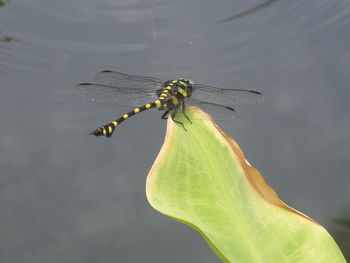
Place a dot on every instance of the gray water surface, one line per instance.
(66, 196)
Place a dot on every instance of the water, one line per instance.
(66, 196)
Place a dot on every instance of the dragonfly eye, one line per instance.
(188, 81)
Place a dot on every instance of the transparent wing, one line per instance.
(226, 97)
(115, 88)
(122, 80)
(113, 95)
(216, 111)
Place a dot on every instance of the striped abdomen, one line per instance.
(107, 130)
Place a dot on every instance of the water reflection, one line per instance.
(249, 11)
(3, 2)
(340, 230)
(5, 38)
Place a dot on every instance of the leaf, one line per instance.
(202, 179)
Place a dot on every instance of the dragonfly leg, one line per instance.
(173, 115)
(165, 115)
(184, 111)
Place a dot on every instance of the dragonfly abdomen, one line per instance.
(108, 129)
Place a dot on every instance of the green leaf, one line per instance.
(202, 179)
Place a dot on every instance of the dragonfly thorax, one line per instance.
(174, 92)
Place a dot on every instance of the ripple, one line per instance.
(50, 29)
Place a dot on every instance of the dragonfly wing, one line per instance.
(216, 111)
(122, 80)
(112, 95)
(227, 97)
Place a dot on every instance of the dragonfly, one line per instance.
(115, 88)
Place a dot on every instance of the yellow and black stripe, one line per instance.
(175, 91)
(171, 98)
(107, 130)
